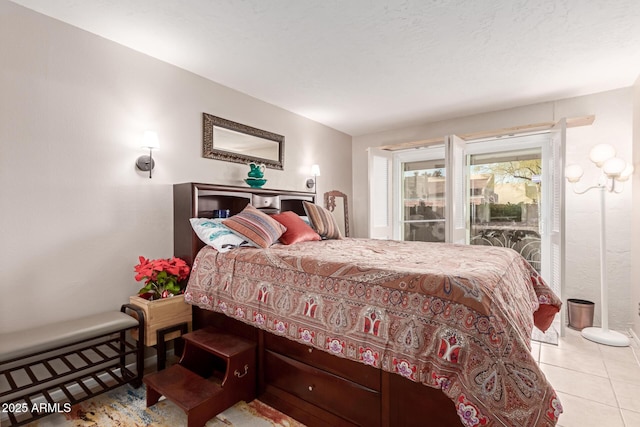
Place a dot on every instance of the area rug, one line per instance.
(126, 407)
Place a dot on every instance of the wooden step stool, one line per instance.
(216, 371)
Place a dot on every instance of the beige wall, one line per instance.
(613, 124)
(75, 213)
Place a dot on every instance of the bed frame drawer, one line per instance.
(264, 202)
(338, 395)
(351, 370)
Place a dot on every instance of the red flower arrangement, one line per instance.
(162, 277)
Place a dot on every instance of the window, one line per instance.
(420, 196)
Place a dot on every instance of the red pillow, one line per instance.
(544, 316)
(297, 229)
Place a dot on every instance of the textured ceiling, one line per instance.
(364, 66)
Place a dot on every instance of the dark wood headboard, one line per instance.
(194, 200)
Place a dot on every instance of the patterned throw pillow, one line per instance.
(255, 226)
(214, 233)
(322, 221)
(297, 229)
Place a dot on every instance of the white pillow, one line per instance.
(215, 234)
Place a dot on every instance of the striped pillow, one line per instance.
(322, 221)
(255, 226)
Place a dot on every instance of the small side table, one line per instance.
(178, 343)
(165, 319)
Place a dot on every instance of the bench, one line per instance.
(47, 369)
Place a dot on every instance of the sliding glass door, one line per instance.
(505, 201)
(420, 196)
(515, 201)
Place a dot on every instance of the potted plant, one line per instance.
(161, 297)
(162, 277)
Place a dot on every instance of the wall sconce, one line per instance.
(614, 170)
(311, 183)
(150, 141)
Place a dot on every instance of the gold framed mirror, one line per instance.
(234, 142)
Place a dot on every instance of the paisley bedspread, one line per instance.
(454, 317)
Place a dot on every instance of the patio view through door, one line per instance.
(505, 197)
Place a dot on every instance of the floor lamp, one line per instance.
(614, 170)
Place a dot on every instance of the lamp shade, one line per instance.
(315, 170)
(601, 153)
(626, 173)
(573, 173)
(614, 167)
(150, 140)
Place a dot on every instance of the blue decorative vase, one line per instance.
(255, 182)
(257, 171)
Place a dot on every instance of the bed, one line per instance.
(379, 333)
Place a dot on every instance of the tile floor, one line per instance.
(598, 385)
